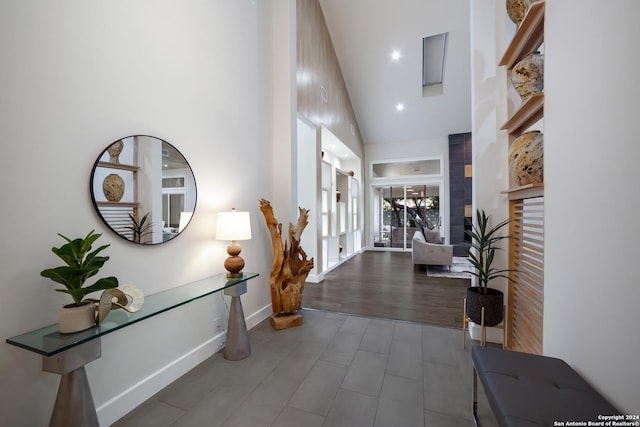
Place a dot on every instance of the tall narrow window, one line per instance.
(433, 53)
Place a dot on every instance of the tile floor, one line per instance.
(334, 370)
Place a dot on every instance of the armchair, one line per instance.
(426, 253)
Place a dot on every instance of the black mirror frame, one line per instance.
(96, 203)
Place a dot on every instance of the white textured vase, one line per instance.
(76, 319)
(527, 75)
(526, 158)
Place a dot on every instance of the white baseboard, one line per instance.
(258, 316)
(315, 278)
(120, 405)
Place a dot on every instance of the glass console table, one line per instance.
(66, 354)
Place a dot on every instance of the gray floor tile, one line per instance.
(395, 413)
(405, 359)
(437, 419)
(342, 348)
(355, 325)
(366, 373)
(445, 389)
(263, 405)
(408, 332)
(333, 370)
(324, 329)
(300, 360)
(351, 409)
(215, 407)
(189, 389)
(402, 390)
(441, 345)
(150, 414)
(317, 391)
(293, 417)
(377, 337)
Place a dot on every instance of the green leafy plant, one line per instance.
(139, 228)
(81, 264)
(483, 242)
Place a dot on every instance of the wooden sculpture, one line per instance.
(290, 268)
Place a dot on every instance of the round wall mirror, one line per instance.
(143, 189)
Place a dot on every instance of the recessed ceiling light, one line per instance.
(400, 106)
(395, 55)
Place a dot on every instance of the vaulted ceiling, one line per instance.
(366, 32)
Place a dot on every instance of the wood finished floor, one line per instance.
(386, 285)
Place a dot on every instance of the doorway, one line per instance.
(401, 210)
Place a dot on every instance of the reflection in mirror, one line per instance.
(143, 189)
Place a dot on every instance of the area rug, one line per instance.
(460, 264)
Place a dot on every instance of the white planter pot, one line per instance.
(76, 319)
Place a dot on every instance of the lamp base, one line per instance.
(234, 275)
(234, 265)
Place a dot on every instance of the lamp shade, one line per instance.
(233, 225)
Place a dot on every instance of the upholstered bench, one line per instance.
(527, 390)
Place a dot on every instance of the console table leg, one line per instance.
(74, 404)
(237, 345)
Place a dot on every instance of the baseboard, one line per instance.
(125, 402)
(258, 316)
(315, 278)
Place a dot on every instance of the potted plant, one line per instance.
(483, 248)
(139, 228)
(81, 264)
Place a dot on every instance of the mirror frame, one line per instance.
(114, 189)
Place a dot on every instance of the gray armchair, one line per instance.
(427, 253)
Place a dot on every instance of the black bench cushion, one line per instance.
(530, 390)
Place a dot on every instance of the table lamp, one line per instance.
(233, 226)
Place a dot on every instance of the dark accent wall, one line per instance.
(460, 159)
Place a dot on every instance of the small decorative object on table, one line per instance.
(290, 268)
(81, 264)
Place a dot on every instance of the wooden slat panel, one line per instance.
(526, 288)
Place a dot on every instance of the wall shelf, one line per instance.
(529, 36)
(529, 112)
(118, 166)
(119, 204)
(525, 192)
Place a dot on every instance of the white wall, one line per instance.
(591, 191)
(404, 151)
(590, 179)
(75, 77)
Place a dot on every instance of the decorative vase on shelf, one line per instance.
(114, 152)
(526, 158)
(113, 187)
(527, 75)
(517, 9)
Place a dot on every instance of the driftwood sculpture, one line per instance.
(290, 268)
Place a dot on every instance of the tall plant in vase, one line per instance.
(484, 240)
